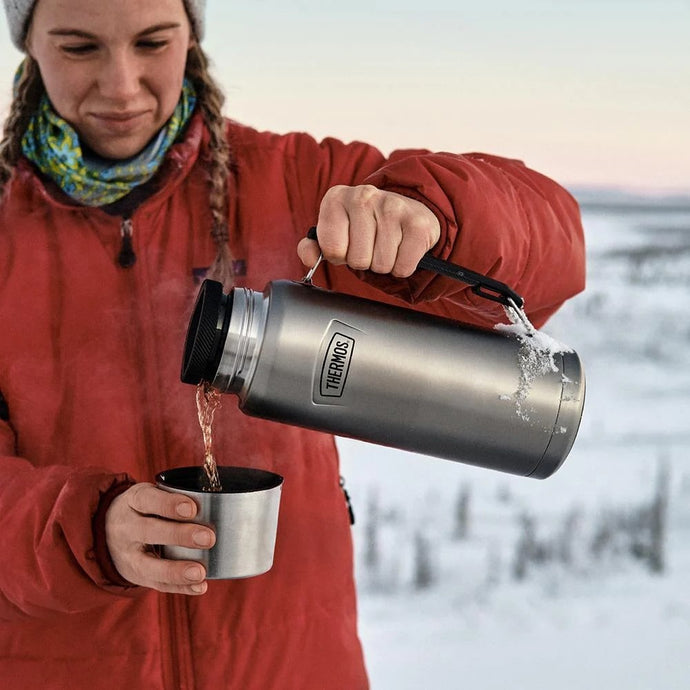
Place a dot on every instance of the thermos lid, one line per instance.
(203, 344)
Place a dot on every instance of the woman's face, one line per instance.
(112, 69)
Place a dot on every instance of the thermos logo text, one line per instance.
(336, 364)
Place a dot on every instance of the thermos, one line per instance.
(305, 356)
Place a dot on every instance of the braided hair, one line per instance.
(30, 88)
(210, 100)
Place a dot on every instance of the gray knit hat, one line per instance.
(19, 12)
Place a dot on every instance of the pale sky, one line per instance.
(595, 92)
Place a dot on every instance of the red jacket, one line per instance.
(89, 370)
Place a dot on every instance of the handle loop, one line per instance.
(480, 284)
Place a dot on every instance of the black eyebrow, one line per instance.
(79, 33)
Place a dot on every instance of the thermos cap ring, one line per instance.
(203, 335)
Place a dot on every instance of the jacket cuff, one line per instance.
(101, 552)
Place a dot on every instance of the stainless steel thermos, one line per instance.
(302, 355)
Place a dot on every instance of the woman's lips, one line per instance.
(119, 122)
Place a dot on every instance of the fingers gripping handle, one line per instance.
(480, 284)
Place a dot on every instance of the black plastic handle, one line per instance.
(481, 285)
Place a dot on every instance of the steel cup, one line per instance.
(244, 516)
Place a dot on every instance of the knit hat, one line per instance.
(19, 13)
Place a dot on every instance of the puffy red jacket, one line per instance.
(89, 372)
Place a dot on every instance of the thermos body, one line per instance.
(305, 356)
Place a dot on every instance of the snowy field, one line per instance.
(473, 579)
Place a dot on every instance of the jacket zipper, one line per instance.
(180, 648)
(178, 674)
(126, 258)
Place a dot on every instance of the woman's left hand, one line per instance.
(370, 229)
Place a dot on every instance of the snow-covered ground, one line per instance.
(587, 609)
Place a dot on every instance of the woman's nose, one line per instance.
(120, 77)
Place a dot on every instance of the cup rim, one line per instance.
(233, 479)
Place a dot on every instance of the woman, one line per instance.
(121, 185)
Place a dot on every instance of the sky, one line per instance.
(592, 93)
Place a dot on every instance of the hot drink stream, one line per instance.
(207, 401)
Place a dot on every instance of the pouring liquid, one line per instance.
(207, 401)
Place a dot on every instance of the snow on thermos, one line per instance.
(506, 400)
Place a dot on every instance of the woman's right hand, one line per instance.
(145, 515)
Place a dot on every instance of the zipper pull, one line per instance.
(347, 500)
(126, 258)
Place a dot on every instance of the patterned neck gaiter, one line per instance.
(53, 146)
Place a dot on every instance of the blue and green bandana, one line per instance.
(52, 144)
